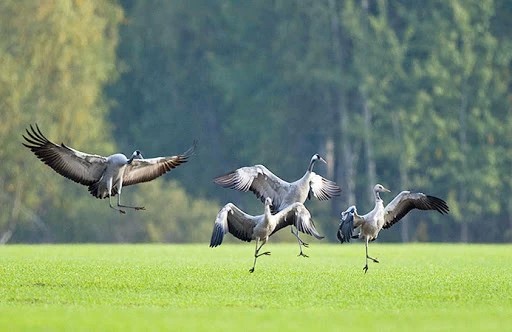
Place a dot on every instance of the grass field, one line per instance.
(435, 287)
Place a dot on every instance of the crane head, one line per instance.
(380, 188)
(137, 155)
(317, 157)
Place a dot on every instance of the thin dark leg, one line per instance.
(300, 241)
(365, 268)
(110, 203)
(257, 254)
(127, 206)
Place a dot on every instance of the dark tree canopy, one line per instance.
(413, 95)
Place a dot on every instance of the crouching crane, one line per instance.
(247, 227)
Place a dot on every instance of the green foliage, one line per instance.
(193, 287)
(412, 94)
(56, 58)
(174, 216)
(409, 94)
(459, 89)
(165, 97)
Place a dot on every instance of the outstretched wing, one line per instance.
(78, 166)
(144, 170)
(296, 214)
(407, 201)
(322, 188)
(235, 221)
(258, 179)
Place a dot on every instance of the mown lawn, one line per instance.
(420, 287)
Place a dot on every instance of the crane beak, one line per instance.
(386, 189)
(323, 160)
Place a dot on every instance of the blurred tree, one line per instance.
(165, 97)
(56, 57)
(215, 70)
(379, 54)
(378, 87)
(174, 216)
(501, 25)
(459, 97)
(412, 94)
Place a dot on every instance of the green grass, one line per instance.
(434, 287)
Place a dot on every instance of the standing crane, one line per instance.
(381, 217)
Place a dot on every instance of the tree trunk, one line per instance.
(464, 230)
(402, 169)
(368, 142)
(345, 168)
(368, 139)
(508, 233)
(14, 215)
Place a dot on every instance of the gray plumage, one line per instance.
(104, 176)
(380, 217)
(265, 184)
(247, 227)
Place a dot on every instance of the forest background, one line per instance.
(411, 94)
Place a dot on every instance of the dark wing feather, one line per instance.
(346, 226)
(235, 221)
(407, 201)
(144, 170)
(257, 179)
(322, 188)
(78, 166)
(296, 214)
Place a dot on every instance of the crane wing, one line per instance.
(407, 201)
(144, 170)
(235, 221)
(322, 188)
(78, 166)
(349, 221)
(296, 214)
(258, 179)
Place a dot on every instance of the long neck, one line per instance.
(131, 159)
(311, 164)
(268, 213)
(267, 209)
(379, 203)
(377, 197)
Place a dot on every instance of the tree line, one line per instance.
(411, 94)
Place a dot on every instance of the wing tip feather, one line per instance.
(217, 236)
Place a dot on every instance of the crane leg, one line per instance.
(113, 207)
(295, 232)
(257, 254)
(127, 206)
(365, 268)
